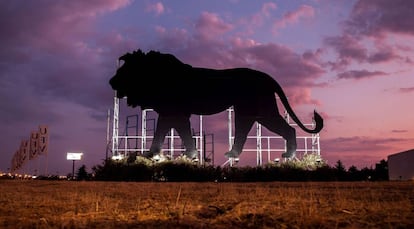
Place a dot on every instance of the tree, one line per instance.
(354, 174)
(381, 170)
(340, 166)
(340, 170)
(82, 174)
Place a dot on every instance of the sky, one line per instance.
(350, 60)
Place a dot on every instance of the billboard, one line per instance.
(74, 156)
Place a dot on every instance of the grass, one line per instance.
(64, 204)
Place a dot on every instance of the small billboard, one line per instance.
(74, 156)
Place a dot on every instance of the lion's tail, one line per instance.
(316, 117)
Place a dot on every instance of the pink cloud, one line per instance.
(406, 89)
(243, 43)
(210, 25)
(360, 74)
(156, 8)
(253, 22)
(399, 131)
(267, 7)
(302, 95)
(258, 18)
(303, 12)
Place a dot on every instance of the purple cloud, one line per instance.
(399, 131)
(382, 56)
(406, 89)
(351, 149)
(376, 17)
(347, 47)
(360, 74)
(57, 50)
(361, 144)
(368, 33)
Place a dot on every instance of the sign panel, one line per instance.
(34, 144)
(43, 140)
(74, 156)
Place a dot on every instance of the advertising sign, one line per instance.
(74, 156)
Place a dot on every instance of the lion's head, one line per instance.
(125, 76)
(141, 73)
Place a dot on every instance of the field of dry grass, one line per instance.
(64, 204)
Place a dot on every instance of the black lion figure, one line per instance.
(176, 90)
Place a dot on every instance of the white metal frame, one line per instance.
(122, 151)
(303, 149)
(119, 152)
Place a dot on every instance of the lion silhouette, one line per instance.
(176, 90)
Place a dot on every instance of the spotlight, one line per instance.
(157, 157)
(277, 160)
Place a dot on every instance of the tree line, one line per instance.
(171, 171)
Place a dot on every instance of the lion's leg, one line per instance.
(278, 125)
(163, 126)
(243, 124)
(183, 127)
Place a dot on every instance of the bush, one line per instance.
(182, 170)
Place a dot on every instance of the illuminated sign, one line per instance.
(74, 156)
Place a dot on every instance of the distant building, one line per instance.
(401, 165)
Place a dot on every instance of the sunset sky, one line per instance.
(352, 61)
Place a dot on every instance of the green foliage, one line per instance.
(82, 174)
(340, 166)
(311, 161)
(182, 169)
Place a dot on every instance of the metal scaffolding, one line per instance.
(138, 142)
(264, 144)
(272, 144)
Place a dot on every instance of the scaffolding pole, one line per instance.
(115, 128)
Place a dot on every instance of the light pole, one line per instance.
(73, 169)
(73, 157)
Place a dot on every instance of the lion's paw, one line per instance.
(289, 155)
(232, 154)
(192, 155)
(148, 154)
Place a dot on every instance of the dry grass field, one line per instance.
(65, 204)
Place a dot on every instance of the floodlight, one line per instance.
(117, 157)
(156, 157)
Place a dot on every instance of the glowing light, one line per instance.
(117, 157)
